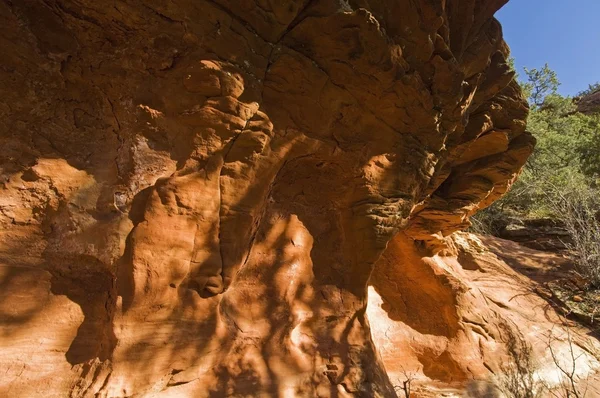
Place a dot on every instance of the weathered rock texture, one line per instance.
(195, 193)
(463, 320)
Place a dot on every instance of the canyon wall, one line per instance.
(195, 193)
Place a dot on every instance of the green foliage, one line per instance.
(566, 140)
(540, 83)
(592, 88)
(589, 148)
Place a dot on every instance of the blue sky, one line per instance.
(563, 33)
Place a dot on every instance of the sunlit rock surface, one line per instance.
(463, 320)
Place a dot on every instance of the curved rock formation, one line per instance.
(194, 194)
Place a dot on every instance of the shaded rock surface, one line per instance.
(541, 234)
(589, 103)
(195, 193)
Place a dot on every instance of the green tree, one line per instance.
(540, 83)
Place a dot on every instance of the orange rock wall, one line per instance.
(194, 193)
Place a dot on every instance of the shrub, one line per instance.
(578, 210)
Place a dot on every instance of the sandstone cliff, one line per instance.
(195, 193)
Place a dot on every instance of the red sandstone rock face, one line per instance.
(450, 320)
(194, 194)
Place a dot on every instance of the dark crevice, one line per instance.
(228, 148)
(235, 17)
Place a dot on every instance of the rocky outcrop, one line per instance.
(589, 103)
(541, 234)
(464, 323)
(194, 194)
